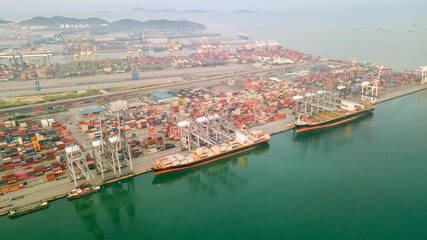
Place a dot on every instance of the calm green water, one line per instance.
(365, 180)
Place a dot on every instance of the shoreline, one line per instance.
(272, 128)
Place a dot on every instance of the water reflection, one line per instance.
(346, 133)
(327, 139)
(114, 197)
(111, 199)
(207, 178)
(86, 211)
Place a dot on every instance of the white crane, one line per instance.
(423, 74)
(371, 91)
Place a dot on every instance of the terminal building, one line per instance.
(162, 97)
(89, 111)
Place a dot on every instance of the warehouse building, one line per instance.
(162, 97)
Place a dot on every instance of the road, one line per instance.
(117, 80)
(170, 86)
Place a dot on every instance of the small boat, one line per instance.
(83, 191)
(14, 212)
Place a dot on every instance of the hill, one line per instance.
(245, 11)
(170, 10)
(130, 24)
(55, 22)
(102, 26)
(4, 21)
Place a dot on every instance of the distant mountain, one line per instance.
(138, 9)
(169, 10)
(245, 11)
(198, 11)
(55, 22)
(126, 24)
(129, 24)
(102, 26)
(4, 21)
(163, 10)
(167, 24)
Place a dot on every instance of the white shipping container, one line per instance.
(44, 123)
(176, 163)
(91, 135)
(199, 151)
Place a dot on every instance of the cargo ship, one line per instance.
(83, 191)
(349, 111)
(243, 36)
(205, 155)
(14, 212)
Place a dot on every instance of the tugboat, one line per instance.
(14, 212)
(83, 190)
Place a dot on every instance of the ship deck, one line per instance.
(331, 115)
(197, 158)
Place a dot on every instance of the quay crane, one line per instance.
(107, 150)
(75, 156)
(118, 144)
(423, 74)
(206, 130)
(371, 91)
(82, 52)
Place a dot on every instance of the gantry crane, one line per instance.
(76, 55)
(118, 143)
(423, 74)
(371, 91)
(83, 56)
(88, 52)
(176, 50)
(75, 156)
(36, 144)
(95, 54)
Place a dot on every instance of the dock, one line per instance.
(129, 139)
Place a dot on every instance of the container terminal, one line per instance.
(50, 149)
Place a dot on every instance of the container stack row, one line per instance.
(32, 148)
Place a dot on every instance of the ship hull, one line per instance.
(302, 128)
(27, 211)
(158, 171)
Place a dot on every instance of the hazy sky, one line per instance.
(222, 5)
(17, 10)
